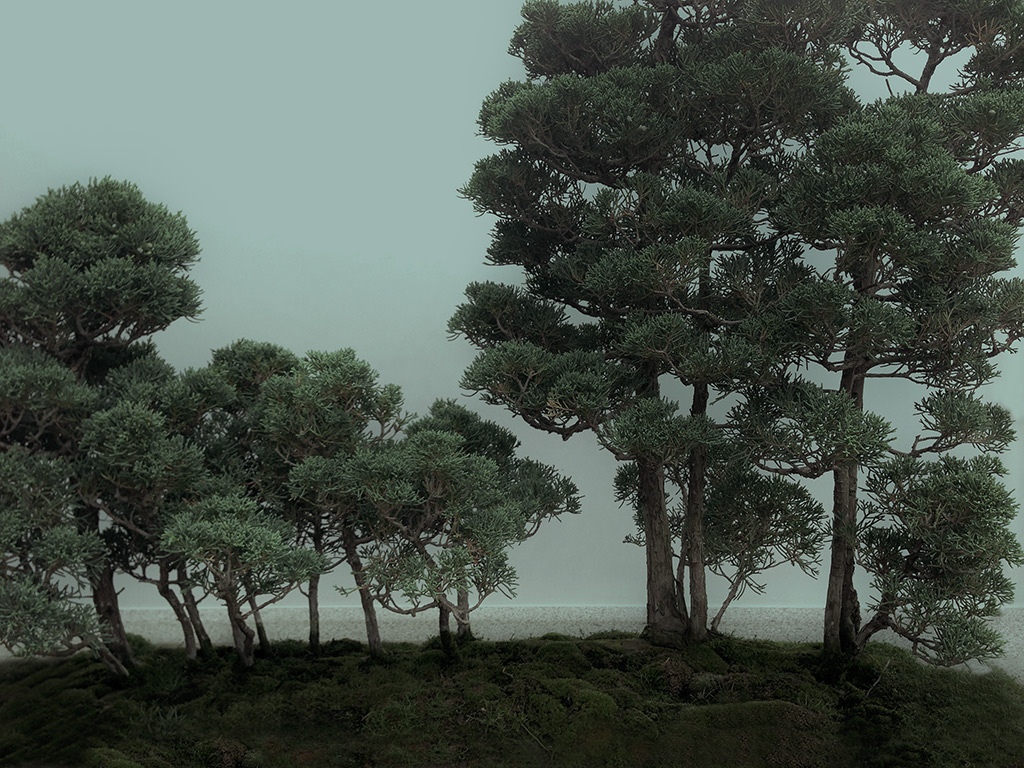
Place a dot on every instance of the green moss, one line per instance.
(769, 733)
(613, 701)
(105, 757)
(565, 656)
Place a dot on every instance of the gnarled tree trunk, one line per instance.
(164, 589)
(463, 630)
(104, 597)
(261, 630)
(842, 607)
(665, 623)
(445, 631)
(241, 633)
(698, 623)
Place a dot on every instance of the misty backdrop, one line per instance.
(317, 149)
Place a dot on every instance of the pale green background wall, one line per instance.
(316, 148)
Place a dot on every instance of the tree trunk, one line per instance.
(842, 607)
(257, 617)
(165, 591)
(205, 644)
(880, 621)
(110, 661)
(240, 631)
(463, 630)
(447, 645)
(850, 615)
(665, 625)
(314, 614)
(104, 597)
(369, 613)
(680, 585)
(698, 623)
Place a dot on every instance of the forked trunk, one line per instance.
(181, 614)
(241, 633)
(104, 596)
(261, 630)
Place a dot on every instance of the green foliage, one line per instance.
(326, 405)
(94, 265)
(41, 403)
(45, 560)
(746, 535)
(800, 425)
(590, 38)
(563, 393)
(44, 619)
(240, 549)
(935, 540)
(449, 500)
(128, 450)
(650, 428)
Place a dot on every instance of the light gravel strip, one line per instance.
(506, 622)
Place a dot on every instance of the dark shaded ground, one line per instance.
(608, 700)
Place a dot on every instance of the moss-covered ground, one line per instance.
(607, 700)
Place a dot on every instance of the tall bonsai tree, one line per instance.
(644, 155)
(91, 270)
(915, 202)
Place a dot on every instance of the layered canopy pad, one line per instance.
(94, 266)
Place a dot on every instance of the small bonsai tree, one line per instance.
(447, 502)
(322, 411)
(45, 562)
(245, 557)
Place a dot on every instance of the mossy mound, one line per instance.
(612, 700)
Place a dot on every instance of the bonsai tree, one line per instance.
(916, 205)
(47, 557)
(744, 534)
(935, 539)
(449, 500)
(45, 561)
(324, 410)
(244, 556)
(135, 468)
(91, 269)
(228, 431)
(643, 157)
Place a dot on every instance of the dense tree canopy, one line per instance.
(694, 192)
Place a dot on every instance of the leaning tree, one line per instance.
(643, 157)
(91, 271)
